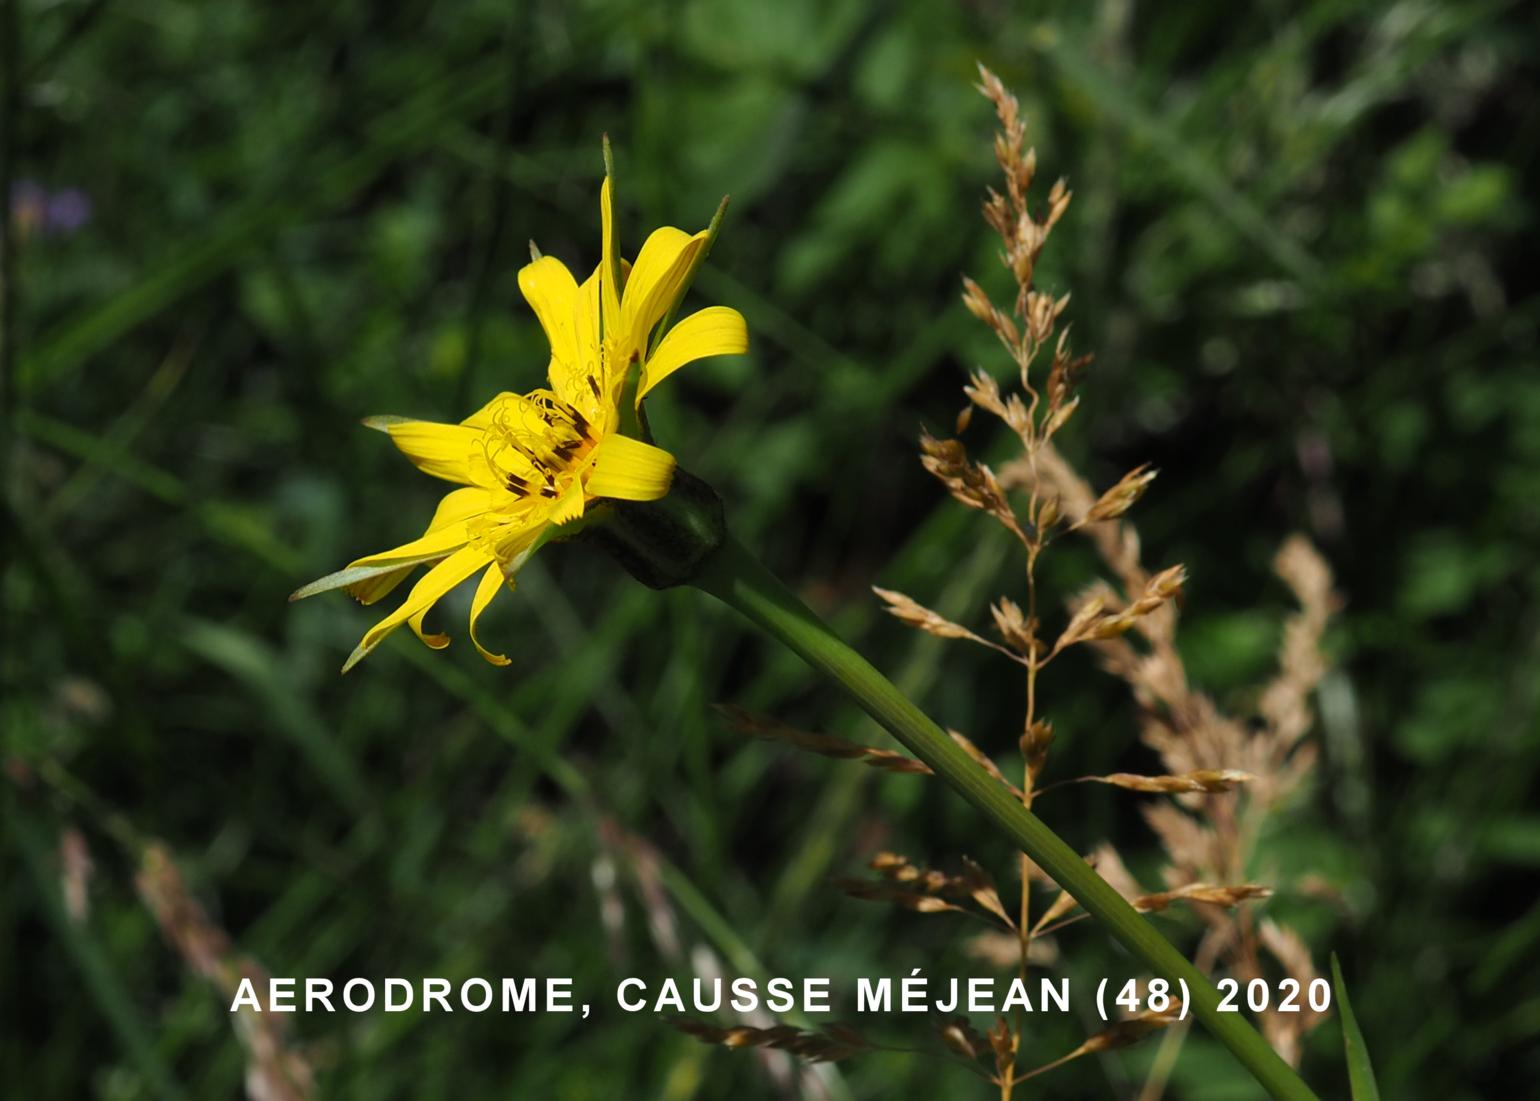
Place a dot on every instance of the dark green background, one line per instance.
(1301, 246)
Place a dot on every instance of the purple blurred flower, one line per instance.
(58, 213)
(68, 210)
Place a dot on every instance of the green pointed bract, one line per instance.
(354, 574)
(382, 422)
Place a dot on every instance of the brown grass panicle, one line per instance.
(275, 1069)
(1220, 778)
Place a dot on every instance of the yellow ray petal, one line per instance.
(433, 544)
(442, 450)
(591, 346)
(714, 331)
(378, 586)
(580, 381)
(455, 508)
(551, 292)
(491, 583)
(459, 505)
(630, 470)
(656, 282)
(432, 642)
(426, 593)
(586, 316)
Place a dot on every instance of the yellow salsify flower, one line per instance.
(533, 465)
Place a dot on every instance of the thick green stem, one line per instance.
(735, 577)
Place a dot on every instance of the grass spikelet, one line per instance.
(912, 613)
(1201, 892)
(1121, 497)
(959, 1035)
(981, 888)
(927, 890)
(1061, 906)
(1207, 780)
(971, 483)
(1004, 1042)
(1035, 742)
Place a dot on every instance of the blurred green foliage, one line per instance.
(1300, 246)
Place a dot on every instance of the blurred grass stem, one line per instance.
(734, 576)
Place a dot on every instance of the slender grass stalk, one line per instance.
(735, 577)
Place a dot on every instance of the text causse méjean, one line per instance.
(913, 993)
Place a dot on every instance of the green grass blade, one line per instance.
(325, 185)
(224, 520)
(1360, 1070)
(260, 669)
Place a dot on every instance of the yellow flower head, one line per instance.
(532, 464)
